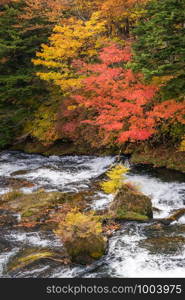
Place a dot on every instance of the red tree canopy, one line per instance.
(116, 100)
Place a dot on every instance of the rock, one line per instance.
(15, 183)
(156, 226)
(165, 221)
(19, 172)
(174, 217)
(43, 207)
(7, 218)
(85, 251)
(82, 237)
(165, 244)
(155, 209)
(27, 257)
(130, 204)
(31, 206)
(177, 214)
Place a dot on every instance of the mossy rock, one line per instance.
(37, 200)
(130, 216)
(27, 257)
(32, 205)
(130, 204)
(85, 251)
(82, 236)
(165, 244)
(40, 206)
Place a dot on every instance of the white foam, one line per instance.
(181, 220)
(165, 196)
(33, 238)
(69, 173)
(101, 201)
(4, 259)
(32, 273)
(127, 259)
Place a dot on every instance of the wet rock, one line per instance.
(165, 221)
(155, 209)
(165, 244)
(130, 204)
(43, 207)
(19, 172)
(177, 214)
(7, 218)
(27, 257)
(4, 246)
(174, 217)
(156, 226)
(15, 183)
(31, 205)
(82, 237)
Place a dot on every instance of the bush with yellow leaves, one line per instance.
(82, 236)
(182, 145)
(116, 178)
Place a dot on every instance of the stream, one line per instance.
(136, 250)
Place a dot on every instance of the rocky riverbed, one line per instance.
(30, 248)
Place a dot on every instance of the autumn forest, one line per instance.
(93, 73)
(92, 138)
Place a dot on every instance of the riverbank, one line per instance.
(161, 156)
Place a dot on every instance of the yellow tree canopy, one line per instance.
(75, 39)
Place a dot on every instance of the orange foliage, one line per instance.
(116, 102)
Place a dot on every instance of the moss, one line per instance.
(29, 147)
(28, 257)
(130, 204)
(130, 215)
(160, 157)
(34, 205)
(82, 236)
(12, 195)
(27, 214)
(20, 172)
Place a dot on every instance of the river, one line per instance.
(136, 250)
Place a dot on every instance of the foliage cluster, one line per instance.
(82, 235)
(116, 179)
(93, 72)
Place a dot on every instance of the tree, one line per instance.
(121, 15)
(43, 13)
(121, 105)
(20, 90)
(75, 39)
(159, 48)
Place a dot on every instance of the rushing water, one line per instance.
(134, 251)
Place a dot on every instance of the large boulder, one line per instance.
(130, 204)
(82, 237)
